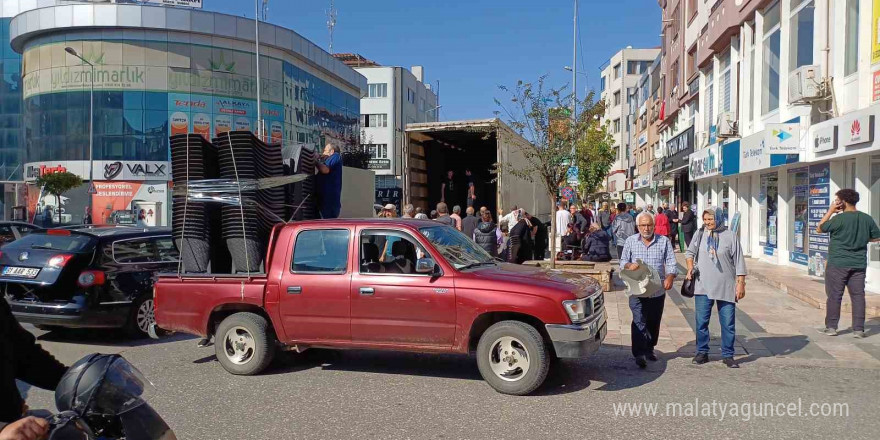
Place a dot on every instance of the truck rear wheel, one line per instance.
(244, 344)
(513, 358)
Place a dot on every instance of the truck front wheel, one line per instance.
(244, 344)
(513, 358)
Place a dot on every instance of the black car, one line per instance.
(100, 277)
(11, 231)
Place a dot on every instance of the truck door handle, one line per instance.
(367, 291)
(294, 290)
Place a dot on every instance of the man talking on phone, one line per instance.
(851, 231)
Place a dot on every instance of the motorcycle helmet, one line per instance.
(101, 384)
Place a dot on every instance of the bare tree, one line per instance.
(557, 141)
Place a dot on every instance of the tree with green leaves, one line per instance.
(58, 184)
(557, 141)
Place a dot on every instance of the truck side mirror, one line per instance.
(426, 265)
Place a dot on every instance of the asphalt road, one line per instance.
(331, 394)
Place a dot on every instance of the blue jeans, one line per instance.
(726, 317)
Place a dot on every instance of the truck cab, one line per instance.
(394, 284)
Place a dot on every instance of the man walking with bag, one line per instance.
(721, 281)
(655, 251)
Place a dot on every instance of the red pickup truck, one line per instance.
(391, 284)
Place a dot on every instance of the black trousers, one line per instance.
(836, 278)
(688, 236)
(647, 313)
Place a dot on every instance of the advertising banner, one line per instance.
(783, 138)
(875, 32)
(820, 199)
(185, 3)
(705, 163)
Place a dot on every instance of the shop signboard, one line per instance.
(825, 139)
(379, 164)
(783, 138)
(385, 196)
(678, 149)
(875, 86)
(705, 163)
(875, 32)
(185, 3)
(629, 197)
(642, 181)
(857, 129)
(820, 199)
(643, 139)
(753, 154)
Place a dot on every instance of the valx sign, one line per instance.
(106, 170)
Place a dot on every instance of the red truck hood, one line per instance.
(534, 278)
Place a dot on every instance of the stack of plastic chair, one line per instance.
(192, 158)
(240, 224)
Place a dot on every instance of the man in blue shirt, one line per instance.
(329, 181)
(655, 251)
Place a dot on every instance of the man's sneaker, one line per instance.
(730, 362)
(828, 331)
(640, 361)
(700, 358)
(859, 334)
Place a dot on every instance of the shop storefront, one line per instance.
(675, 168)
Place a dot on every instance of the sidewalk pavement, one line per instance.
(768, 324)
(803, 287)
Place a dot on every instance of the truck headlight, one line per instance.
(577, 309)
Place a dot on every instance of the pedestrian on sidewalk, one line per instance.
(604, 219)
(721, 282)
(487, 235)
(420, 214)
(661, 223)
(851, 231)
(443, 215)
(456, 215)
(623, 227)
(596, 245)
(655, 251)
(672, 215)
(688, 224)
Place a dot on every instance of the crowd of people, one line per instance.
(592, 234)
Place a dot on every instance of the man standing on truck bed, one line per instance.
(329, 182)
(447, 188)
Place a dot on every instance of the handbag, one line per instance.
(688, 286)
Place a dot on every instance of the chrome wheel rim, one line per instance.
(239, 345)
(509, 359)
(145, 315)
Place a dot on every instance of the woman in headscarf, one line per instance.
(722, 280)
(520, 238)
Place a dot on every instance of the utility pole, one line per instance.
(574, 69)
(257, 42)
(331, 23)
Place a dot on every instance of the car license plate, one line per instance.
(24, 272)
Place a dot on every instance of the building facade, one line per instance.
(395, 97)
(619, 78)
(788, 117)
(160, 71)
(644, 116)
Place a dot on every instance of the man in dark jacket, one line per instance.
(672, 215)
(470, 222)
(688, 223)
(596, 245)
(487, 235)
(21, 358)
(542, 238)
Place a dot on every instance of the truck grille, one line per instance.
(598, 302)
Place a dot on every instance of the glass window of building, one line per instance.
(801, 39)
(377, 90)
(724, 91)
(799, 192)
(750, 97)
(376, 120)
(710, 99)
(617, 125)
(616, 98)
(770, 89)
(768, 202)
(602, 83)
(851, 53)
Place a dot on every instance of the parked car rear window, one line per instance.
(321, 251)
(144, 250)
(67, 243)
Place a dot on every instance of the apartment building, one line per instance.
(395, 97)
(644, 117)
(786, 110)
(619, 78)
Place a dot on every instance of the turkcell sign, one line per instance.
(705, 163)
(783, 138)
(825, 139)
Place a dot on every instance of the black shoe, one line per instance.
(730, 362)
(651, 357)
(640, 361)
(700, 358)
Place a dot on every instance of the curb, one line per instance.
(871, 311)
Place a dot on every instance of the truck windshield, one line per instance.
(456, 248)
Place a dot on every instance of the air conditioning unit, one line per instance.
(805, 84)
(703, 139)
(727, 125)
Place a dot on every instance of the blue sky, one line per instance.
(472, 46)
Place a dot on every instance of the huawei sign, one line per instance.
(861, 130)
(856, 130)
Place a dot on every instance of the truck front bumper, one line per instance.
(578, 340)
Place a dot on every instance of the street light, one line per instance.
(430, 110)
(71, 51)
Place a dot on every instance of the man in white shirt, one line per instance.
(563, 218)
